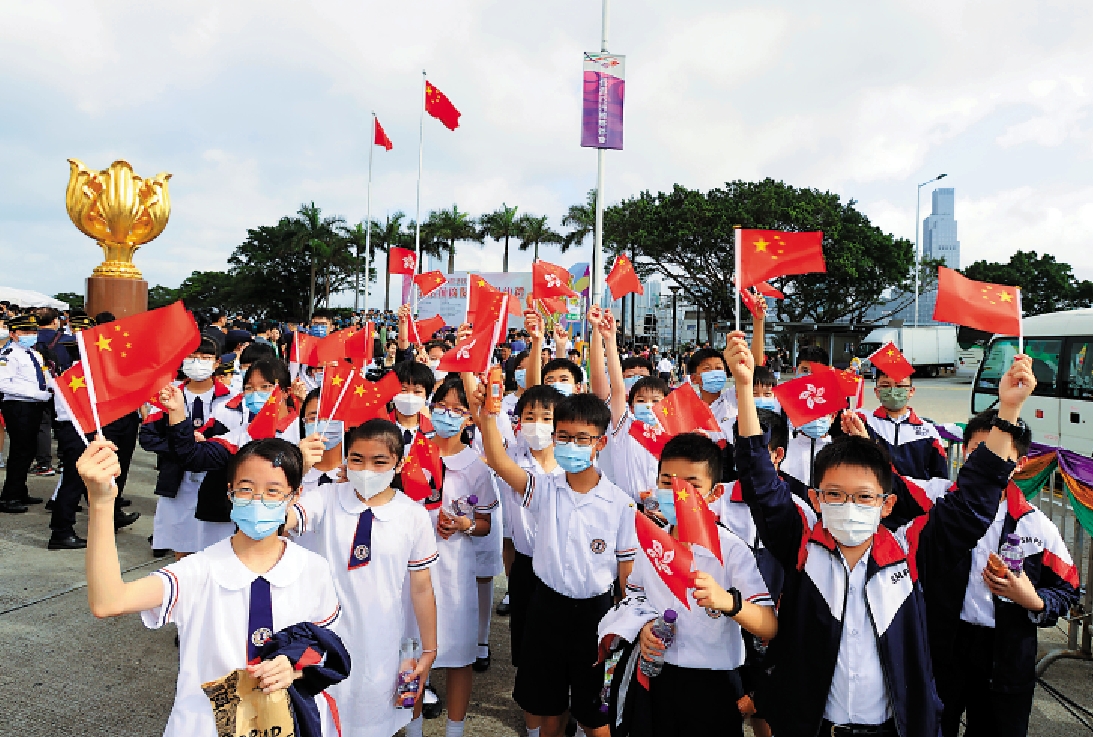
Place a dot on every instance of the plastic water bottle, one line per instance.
(609, 675)
(464, 505)
(408, 683)
(665, 630)
(1010, 553)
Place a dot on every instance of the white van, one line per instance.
(1060, 411)
(967, 363)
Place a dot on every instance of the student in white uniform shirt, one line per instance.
(226, 600)
(520, 377)
(708, 653)
(372, 535)
(410, 414)
(328, 469)
(584, 540)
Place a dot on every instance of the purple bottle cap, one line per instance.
(603, 708)
(472, 499)
(1013, 539)
(670, 616)
(407, 702)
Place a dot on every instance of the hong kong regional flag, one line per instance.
(548, 280)
(992, 308)
(440, 107)
(766, 254)
(810, 397)
(671, 560)
(401, 261)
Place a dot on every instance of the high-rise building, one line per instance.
(939, 230)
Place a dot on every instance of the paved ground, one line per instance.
(68, 673)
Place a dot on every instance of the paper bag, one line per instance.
(242, 710)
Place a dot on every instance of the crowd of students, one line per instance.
(851, 593)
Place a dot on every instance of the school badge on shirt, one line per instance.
(598, 546)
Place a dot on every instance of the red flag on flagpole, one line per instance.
(695, 523)
(303, 349)
(366, 400)
(891, 362)
(401, 261)
(671, 560)
(423, 458)
(766, 254)
(334, 380)
(71, 388)
(682, 411)
(992, 308)
(623, 280)
(440, 107)
(548, 280)
(767, 290)
(361, 344)
(428, 281)
(381, 138)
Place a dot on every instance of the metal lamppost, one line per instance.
(675, 293)
(918, 223)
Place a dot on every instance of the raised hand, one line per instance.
(739, 358)
(853, 424)
(172, 399)
(98, 466)
(312, 449)
(533, 323)
(1016, 385)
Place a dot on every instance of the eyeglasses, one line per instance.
(581, 439)
(865, 498)
(270, 498)
(453, 411)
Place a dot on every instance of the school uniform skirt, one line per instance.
(456, 593)
(176, 528)
(487, 550)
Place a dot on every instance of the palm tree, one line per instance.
(320, 237)
(534, 230)
(390, 234)
(582, 218)
(501, 223)
(355, 237)
(445, 227)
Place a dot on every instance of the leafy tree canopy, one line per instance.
(1046, 284)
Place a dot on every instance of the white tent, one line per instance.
(27, 298)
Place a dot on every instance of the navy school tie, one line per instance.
(39, 374)
(260, 621)
(361, 553)
(324, 479)
(197, 413)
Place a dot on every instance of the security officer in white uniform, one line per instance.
(24, 386)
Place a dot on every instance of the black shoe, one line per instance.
(504, 608)
(124, 519)
(431, 705)
(29, 500)
(571, 727)
(71, 541)
(481, 665)
(49, 506)
(10, 506)
(124, 502)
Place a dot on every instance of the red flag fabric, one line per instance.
(334, 380)
(365, 399)
(806, 398)
(71, 388)
(361, 344)
(890, 362)
(765, 254)
(695, 523)
(265, 423)
(331, 349)
(422, 464)
(623, 279)
(303, 349)
(651, 437)
(551, 306)
(671, 560)
(682, 411)
(429, 281)
(768, 291)
(850, 382)
(548, 280)
(128, 360)
(421, 331)
(401, 261)
(440, 107)
(992, 308)
(472, 353)
(478, 290)
(381, 137)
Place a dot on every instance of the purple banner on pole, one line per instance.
(604, 88)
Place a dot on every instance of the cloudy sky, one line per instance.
(255, 107)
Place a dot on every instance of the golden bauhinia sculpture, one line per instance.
(120, 210)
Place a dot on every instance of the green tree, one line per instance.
(446, 227)
(161, 296)
(501, 225)
(391, 234)
(582, 220)
(535, 230)
(272, 273)
(205, 289)
(355, 238)
(1046, 285)
(319, 237)
(75, 301)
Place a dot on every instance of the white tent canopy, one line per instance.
(28, 298)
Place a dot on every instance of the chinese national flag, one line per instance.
(381, 137)
(851, 384)
(440, 107)
(331, 349)
(401, 261)
(483, 294)
(429, 281)
(695, 523)
(765, 254)
(992, 308)
(548, 280)
(303, 349)
(471, 354)
(335, 378)
(890, 362)
(623, 280)
(671, 560)
(651, 437)
(421, 331)
(128, 360)
(71, 388)
(265, 423)
(360, 344)
(682, 411)
(422, 464)
(365, 399)
(768, 291)
(807, 398)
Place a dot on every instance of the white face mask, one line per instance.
(197, 369)
(851, 524)
(409, 404)
(437, 374)
(433, 363)
(370, 483)
(538, 434)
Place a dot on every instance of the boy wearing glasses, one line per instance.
(584, 538)
(852, 656)
(912, 442)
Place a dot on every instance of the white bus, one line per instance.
(1060, 411)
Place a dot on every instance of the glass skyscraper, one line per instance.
(939, 230)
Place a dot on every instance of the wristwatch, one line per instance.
(1020, 432)
(737, 602)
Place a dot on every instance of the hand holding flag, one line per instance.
(810, 397)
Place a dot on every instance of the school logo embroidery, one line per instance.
(598, 546)
(260, 636)
(360, 552)
(715, 613)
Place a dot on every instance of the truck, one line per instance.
(929, 348)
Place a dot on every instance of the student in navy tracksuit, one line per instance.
(913, 443)
(852, 655)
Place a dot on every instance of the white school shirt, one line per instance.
(978, 606)
(508, 407)
(858, 693)
(579, 538)
(371, 622)
(799, 456)
(207, 595)
(635, 468)
(705, 638)
(519, 525)
(665, 366)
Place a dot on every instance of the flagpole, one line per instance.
(90, 382)
(736, 267)
(601, 161)
(1020, 323)
(367, 220)
(417, 212)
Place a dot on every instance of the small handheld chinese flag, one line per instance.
(810, 397)
(767, 290)
(440, 107)
(331, 349)
(651, 437)
(695, 523)
(401, 261)
(482, 294)
(671, 560)
(422, 331)
(381, 137)
(303, 349)
(429, 281)
(766, 254)
(623, 280)
(334, 380)
(548, 280)
(682, 411)
(423, 464)
(360, 345)
(71, 388)
(992, 308)
(890, 362)
(265, 423)
(365, 400)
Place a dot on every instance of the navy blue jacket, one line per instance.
(914, 444)
(322, 657)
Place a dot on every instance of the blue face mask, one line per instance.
(256, 520)
(319, 331)
(333, 434)
(572, 457)
(521, 376)
(630, 381)
(644, 413)
(446, 424)
(767, 403)
(666, 498)
(713, 381)
(255, 400)
(817, 428)
(564, 387)
(28, 341)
